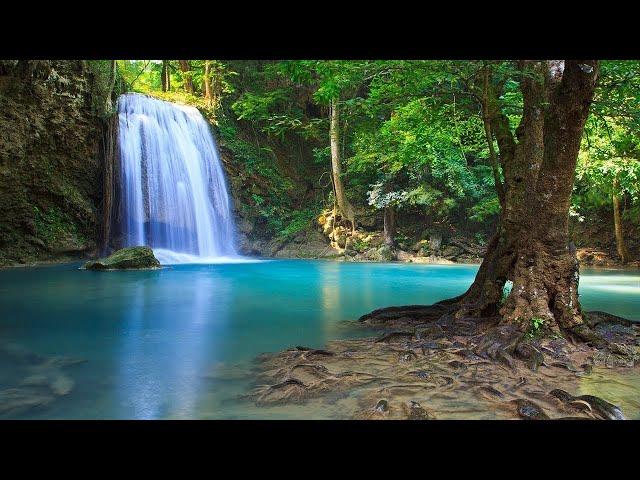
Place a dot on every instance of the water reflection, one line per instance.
(329, 279)
(166, 350)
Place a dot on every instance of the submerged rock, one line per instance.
(130, 258)
(18, 400)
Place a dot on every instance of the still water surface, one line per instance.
(153, 340)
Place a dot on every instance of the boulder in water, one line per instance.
(130, 258)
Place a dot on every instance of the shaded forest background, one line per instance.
(418, 173)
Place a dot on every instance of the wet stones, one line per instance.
(490, 391)
(414, 411)
(432, 362)
(394, 337)
(623, 350)
(429, 345)
(603, 408)
(291, 390)
(445, 381)
(457, 365)
(422, 374)
(606, 358)
(407, 356)
(313, 351)
(466, 327)
(467, 354)
(521, 381)
(532, 357)
(497, 341)
(382, 406)
(528, 410)
(430, 331)
(308, 373)
(565, 365)
(561, 395)
(590, 403)
(595, 318)
(408, 314)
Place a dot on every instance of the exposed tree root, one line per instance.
(426, 363)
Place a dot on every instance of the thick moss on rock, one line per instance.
(130, 258)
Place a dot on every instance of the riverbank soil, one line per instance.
(426, 364)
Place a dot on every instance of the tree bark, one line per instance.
(345, 208)
(185, 68)
(621, 246)
(206, 80)
(531, 246)
(166, 76)
(489, 103)
(389, 226)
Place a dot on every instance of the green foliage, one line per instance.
(411, 134)
(609, 160)
(536, 327)
(485, 209)
(52, 225)
(298, 221)
(360, 245)
(106, 85)
(421, 154)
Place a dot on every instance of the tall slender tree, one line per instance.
(166, 76)
(206, 83)
(621, 245)
(345, 207)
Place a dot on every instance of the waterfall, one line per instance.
(173, 192)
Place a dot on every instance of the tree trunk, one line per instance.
(166, 76)
(113, 71)
(185, 68)
(621, 246)
(206, 80)
(488, 115)
(389, 226)
(345, 208)
(531, 247)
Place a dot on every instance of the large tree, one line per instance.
(531, 247)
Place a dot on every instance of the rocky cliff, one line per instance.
(50, 159)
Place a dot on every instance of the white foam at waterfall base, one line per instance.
(168, 257)
(174, 193)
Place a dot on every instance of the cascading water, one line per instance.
(174, 194)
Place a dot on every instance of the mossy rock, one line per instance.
(130, 258)
(386, 254)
